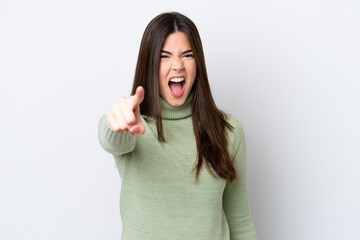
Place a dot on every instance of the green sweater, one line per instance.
(159, 199)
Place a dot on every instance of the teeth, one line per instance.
(177, 79)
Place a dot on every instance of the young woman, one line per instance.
(182, 160)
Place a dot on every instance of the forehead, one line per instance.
(176, 41)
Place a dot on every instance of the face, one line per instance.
(177, 70)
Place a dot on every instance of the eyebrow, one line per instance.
(184, 52)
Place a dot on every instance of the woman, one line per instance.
(168, 128)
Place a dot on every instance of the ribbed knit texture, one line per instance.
(159, 197)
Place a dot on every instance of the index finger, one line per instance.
(138, 96)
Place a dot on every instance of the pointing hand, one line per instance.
(124, 114)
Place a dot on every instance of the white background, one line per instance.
(288, 70)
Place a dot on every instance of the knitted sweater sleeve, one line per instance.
(113, 142)
(235, 197)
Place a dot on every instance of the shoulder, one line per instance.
(235, 123)
(236, 136)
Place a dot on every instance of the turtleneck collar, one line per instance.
(171, 112)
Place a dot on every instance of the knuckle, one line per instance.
(116, 129)
(123, 127)
(108, 115)
(120, 101)
(113, 107)
(130, 121)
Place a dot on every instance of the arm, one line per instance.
(113, 142)
(235, 197)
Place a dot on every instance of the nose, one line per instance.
(177, 64)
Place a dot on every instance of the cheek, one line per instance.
(163, 71)
(191, 70)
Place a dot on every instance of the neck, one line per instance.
(171, 112)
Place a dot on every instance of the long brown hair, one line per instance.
(208, 121)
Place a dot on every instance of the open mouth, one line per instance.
(176, 85)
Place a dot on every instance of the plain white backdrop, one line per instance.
(288, 70)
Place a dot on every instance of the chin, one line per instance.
(177, 102)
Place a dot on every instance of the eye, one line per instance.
(164, 56)
(189, 56)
